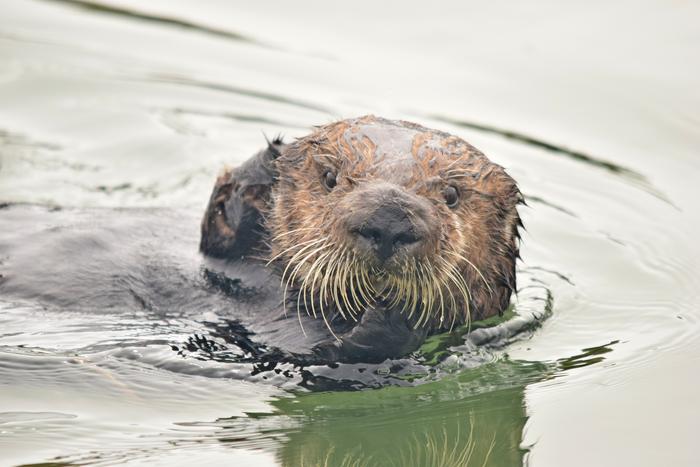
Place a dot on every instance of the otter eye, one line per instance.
(451, 196)
(329, 179)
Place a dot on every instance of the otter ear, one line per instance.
(233, 222)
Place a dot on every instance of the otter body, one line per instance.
(351, 244)
(385, 231)
(143, 265)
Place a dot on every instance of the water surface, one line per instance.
(592, 108)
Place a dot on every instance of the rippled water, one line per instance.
(593, 108)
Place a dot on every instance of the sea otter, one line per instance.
(351, 244)
(385, 231)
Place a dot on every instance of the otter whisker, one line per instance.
(362, 283)
(442, 301)
(301, 325)
(405, 287)
(341, 275)
(328, 325)
(344, 292)
(301, 251)
(297, 245)
(412, 290)
(450, 273)
(336, 282)
(318, 266)
(453, 321)
(296, 270)
(338, 290)
(394, 291)
(415, 281)
(401, 292)
(426, 273)
(424, 293)
(426, 290)
(302, 291)
(405, 282)
(440, 296)
(369, 283)
(326, 278)
(315, 268)
(351, 283)
(287, 283)
(387, 287)
(324, 283)
(303, 284)
(488, 286)
(302, 261)
(293, 276)
(462, 286)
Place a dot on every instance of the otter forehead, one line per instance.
(392, 150)
(390, 142)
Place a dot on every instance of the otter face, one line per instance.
(370, 212)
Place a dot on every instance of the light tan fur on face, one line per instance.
(465, 268)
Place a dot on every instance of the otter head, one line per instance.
(369, 212)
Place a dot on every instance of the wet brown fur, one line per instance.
(478, 238)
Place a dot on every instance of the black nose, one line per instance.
(386, 231)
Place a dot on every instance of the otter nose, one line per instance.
(386, 231)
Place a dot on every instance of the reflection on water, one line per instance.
(474, 418)
(121, 104)
(478, 415)
(589, 356)
(133, 14)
